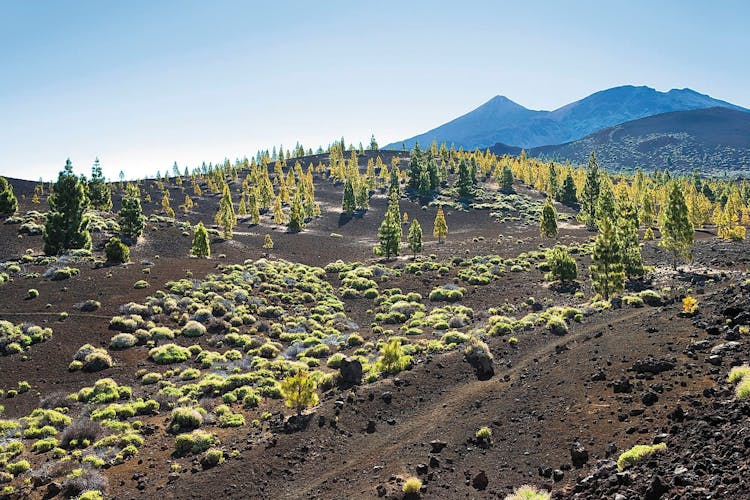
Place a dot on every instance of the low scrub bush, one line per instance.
(637, 453)
(527, 492)
(168, 354)
(194, 442)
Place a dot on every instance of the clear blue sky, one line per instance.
(144, 83)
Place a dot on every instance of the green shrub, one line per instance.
(91, 494)
(116, 251)
(44, 445)
(19, 467)
(123, 341)
(738, 373)
(194, 442)
(447, 293)
(637, 453)
(212, 458)
(561, 265)
(185, 420)
(141, 284)
(527, 492)
(412, 486)
(169, 353)
(32, 293)
(193, 329)
(632, 301)
(557, 325)
(151, 378)
(61, 273)
(393, 359)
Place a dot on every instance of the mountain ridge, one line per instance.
(501, 120)
(714, 140)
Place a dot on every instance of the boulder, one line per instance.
(351, 371)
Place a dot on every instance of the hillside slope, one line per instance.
(501, 120)
(715, 141)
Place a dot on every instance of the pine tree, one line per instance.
(131, 217)
(506, 180)
(165, 205)
(278, 214)
(296, 214)
(268, 242)
(676, 229)
(225, 216)
(98, 190)
(415, 237)
(590, 195)
(201, 247)
(8, 201)
(299, 391)
(415, 168)
(607, 271)
(648, 212)
(627, 228)
(464, 184)
(253, 208)
(390, 232)
(440, 226)
(568, 196)
(548, 224)
(188, 205)
(561, 265)
(67, 226)
(349, 203)
(363, 197)
(605, 203)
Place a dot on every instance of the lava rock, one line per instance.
(437, 446)
(422, 469)
(649, 398)
(480, 481)
(387, 397)
(578, 454)
(557, 475)
(351, 371)
(653, 365)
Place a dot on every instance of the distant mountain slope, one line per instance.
(501, 120)
(714, 140)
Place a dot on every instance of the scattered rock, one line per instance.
(649, 398)
(578, 454)
(387, 397)
(557, 475)
(480, 481)
(653, 365)
(437, 446)
(422, 469)
(351, 371)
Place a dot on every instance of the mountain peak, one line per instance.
(502, 120)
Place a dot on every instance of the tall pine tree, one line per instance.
(8, 201)
(590, 196)
(201, 247)
(225, 216)
(440, 226)
(296, 214)
(415, 237)
(98, 190)
(676, 229)
(389, 232)
(627, 228)
(548, 224)
(131, 217)
(67, 226)
(607, 271)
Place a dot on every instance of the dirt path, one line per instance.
(421, 424)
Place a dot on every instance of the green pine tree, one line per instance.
(464, 184)
(548, 224)
(506, 180)
(348, 203)
(225, 216)
(98, 190)
(253, 207)
(390, 232)
(440, 226)
(131, 217)
(8, 201)
(201, 247)
(607, 271)
(676, 229)
(296, 214)
(415, 237)
(568, 195)
(67, 226)
(627, 227)
(590, 196)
